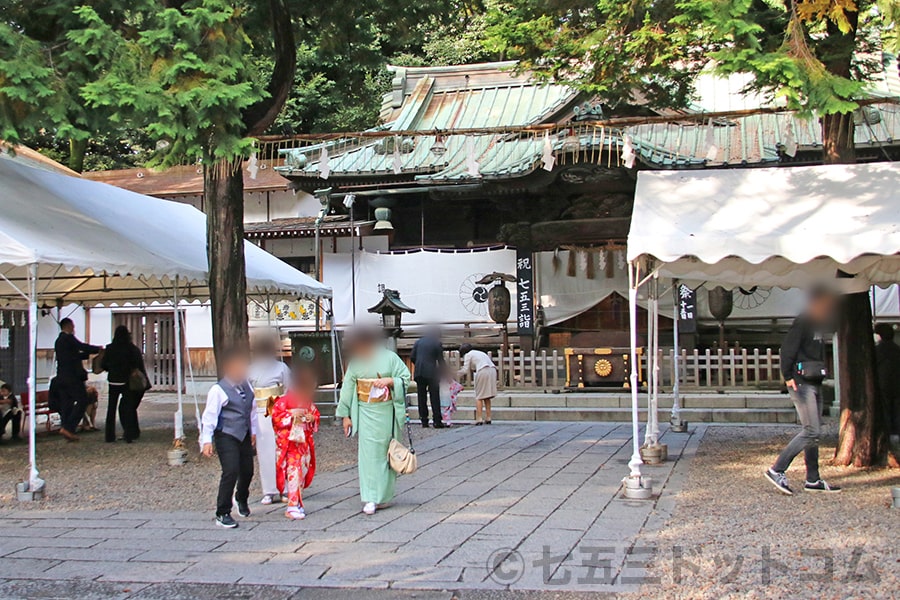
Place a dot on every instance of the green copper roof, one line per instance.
(490, 95)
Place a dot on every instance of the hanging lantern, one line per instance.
(721, 303)
(499, 303)
(439, 148)
(498, 300)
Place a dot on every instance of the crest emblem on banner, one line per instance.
(473, 295)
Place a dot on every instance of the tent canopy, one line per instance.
(784, 227)
(98, 244)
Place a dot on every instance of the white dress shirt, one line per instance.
(215, 400)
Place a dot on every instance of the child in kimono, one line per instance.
(295, 419)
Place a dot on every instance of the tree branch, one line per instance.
(258, 117)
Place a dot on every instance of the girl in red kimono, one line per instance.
(295, 419)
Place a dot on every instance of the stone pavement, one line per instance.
(521, 506)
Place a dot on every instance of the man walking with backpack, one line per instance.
(803, 367)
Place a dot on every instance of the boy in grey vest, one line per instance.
(229, 424)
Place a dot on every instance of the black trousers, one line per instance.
(17, 418)
(127, 402)
(73, 400)
(236, 458)
(432, 387)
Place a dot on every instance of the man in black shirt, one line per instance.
(68, 386)
(803, 368)
(428, 358)
(887, 358)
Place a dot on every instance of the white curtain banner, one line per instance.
(440, 285)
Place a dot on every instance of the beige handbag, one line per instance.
(403, 460)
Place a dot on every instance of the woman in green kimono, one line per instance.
(377, 421)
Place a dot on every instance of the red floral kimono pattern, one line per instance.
(295, 462)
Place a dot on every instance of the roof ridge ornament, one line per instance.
(588, 111)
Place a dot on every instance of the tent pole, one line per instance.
(649, 362)
(334, 370)
(652, 433)
(635, 463)
(179, 415)
(34, 481)
(676, 377)
(190, 365)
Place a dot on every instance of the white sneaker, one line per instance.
(267, 499)
(369, 508)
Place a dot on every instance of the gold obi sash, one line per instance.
(264, 395)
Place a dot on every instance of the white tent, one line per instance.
(98, 244)
(69, 240)
(784, 227)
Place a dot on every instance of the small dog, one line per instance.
(90, 411)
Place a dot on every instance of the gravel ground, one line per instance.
(94, 475)
(729, 518)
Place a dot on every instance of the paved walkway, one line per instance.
(529, 506)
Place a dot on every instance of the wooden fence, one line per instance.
(734, 368)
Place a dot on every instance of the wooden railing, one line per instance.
(734, 368)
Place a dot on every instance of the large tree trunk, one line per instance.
(223, 191)
(863, 437)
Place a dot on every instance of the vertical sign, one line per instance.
(524, 292)
(687, 309)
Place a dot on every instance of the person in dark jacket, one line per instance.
(120, 359)
(802, 365)
(68, 387)
(428, 358)
(887, 357)
(10, 412)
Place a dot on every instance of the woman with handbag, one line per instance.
(373, 407)
(128, 381)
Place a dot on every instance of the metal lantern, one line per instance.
(391, 308)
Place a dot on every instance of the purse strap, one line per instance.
(412, 450)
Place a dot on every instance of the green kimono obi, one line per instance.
(375, 423)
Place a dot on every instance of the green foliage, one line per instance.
(109, 72)
(183, 77)
(812, 59)
(614, 49)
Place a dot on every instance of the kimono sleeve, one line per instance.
(281, 417)
(316, 417)
(348, 393)
(400, 373)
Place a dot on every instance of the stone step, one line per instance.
(693, 415)
(539, 400)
